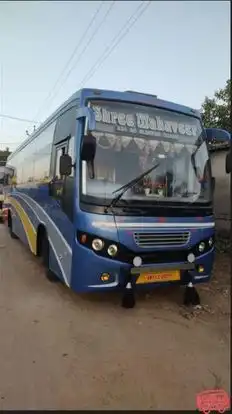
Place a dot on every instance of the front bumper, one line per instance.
(91, 268)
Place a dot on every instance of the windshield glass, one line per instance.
(130, 139)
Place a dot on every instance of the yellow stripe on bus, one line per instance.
(27, 224)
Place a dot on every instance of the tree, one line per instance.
(4, 155)
(216, 111)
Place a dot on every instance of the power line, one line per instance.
(85, 47)
(71, 57)
(18, 119)
(109, 49)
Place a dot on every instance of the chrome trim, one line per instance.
(161, 239)
(170, 225)
(200, 277)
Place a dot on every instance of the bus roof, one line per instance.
(127, 96)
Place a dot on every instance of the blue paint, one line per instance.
(218, 135)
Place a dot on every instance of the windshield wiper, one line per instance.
(130, 184)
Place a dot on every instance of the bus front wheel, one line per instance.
(45, 251)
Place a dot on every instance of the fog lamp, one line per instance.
(201, 269)
(105, 277)
(191, 258)
(137, 261)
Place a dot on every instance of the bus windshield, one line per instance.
(130, 139)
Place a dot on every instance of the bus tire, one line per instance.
(12, 234)
(45, 249)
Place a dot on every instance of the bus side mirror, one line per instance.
(88, 149)
(216, 136)
(65, 165)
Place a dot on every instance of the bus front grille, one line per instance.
(159, 239)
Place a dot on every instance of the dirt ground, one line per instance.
(59, 350)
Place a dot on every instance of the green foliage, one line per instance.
(4, 154)
(216, 112)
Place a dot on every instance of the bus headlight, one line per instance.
(112, 250)
(97, 245)
(201, 247)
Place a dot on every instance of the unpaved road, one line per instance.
(59, 350)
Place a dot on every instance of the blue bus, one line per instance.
(114, 192)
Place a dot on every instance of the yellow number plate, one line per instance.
(154, 277)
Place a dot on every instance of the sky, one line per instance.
(178, 50)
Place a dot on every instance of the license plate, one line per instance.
(156, 277)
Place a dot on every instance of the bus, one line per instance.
(114, 191)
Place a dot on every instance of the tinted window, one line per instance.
(32, 163)
(28, 165)
(66, 125)
(43, 148)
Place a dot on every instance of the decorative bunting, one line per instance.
(118, 144)
(125, 141)
(178, 147)
(146, 146)
(166, 146)
(172, 148)
(112, 139)
(190, 148)
(104, 143)
(140, 142)
(97, 135)
(153, 144)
